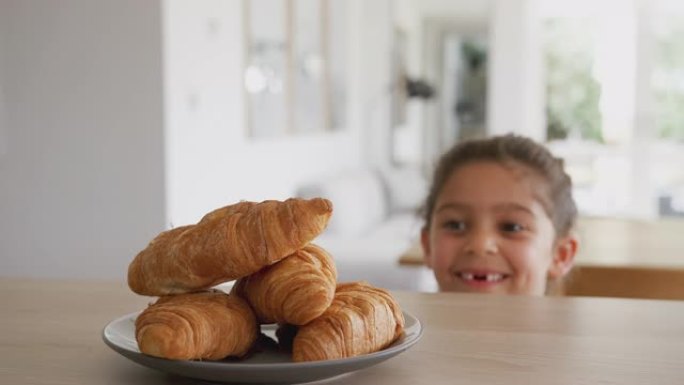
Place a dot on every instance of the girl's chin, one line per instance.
(461, 288)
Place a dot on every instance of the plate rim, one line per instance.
(409, 339)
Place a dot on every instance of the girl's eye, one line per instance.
(455, 225)
(512, 227)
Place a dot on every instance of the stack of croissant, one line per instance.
(281, 278)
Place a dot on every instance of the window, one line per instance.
(615, 91)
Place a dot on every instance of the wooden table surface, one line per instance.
(50, 333)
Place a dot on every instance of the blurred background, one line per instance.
(119, 119)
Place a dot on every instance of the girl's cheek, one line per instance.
(440, 259)
(522, 255)
(445, 250)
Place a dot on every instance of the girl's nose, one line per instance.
(481, 242)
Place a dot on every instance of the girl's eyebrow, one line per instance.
(512, 206)
(507, 206)
(452, 206)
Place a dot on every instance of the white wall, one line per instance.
(125, 117)
(211, 160)
(3, 109)
(515, 90)
(81, 182)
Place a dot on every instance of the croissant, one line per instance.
(208, 325)
(295, 290)
(361, 319)
(226, 244)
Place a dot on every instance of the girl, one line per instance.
(499, 218)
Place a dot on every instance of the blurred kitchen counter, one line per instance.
(619, 258)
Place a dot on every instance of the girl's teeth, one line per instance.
(493, 277)
(482, 277)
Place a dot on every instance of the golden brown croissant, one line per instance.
(228, 243)
(295, 290)
(362, 319)
(209, 325)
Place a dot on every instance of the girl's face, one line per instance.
(490, 233)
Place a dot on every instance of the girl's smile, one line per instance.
(481, 279)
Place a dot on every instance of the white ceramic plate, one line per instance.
(267, 366)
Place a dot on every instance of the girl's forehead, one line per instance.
(491, 179)
(508, 171)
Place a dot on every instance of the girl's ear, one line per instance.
(563, 256)
(425, 242)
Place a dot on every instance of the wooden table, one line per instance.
(619, 258)
(50, 333)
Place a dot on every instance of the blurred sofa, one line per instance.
(375, 219)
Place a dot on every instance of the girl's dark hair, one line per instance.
(511, 149)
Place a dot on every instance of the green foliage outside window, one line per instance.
(668, 82)
(572, 93)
